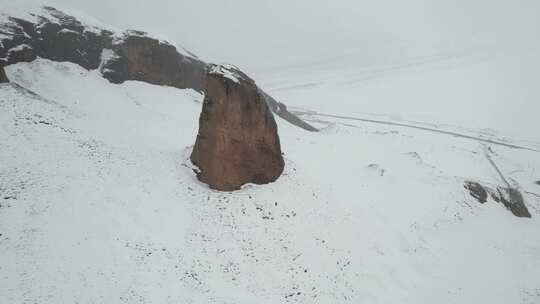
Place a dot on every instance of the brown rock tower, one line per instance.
(237, 141)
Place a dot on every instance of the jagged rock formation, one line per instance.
(510, 197)
(55, 36)
(237, 141)
(132, 55)
(3, 76)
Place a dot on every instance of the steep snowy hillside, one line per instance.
(100, 205)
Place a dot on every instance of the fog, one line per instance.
(257, 34)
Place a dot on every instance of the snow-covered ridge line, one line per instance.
(13, 16)
(228, 71)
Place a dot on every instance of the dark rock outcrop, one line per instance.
(538, 183)
(237, 141)
(3, 76)
(477, 191)
(139, 57)
(510, 197)
(55, 36)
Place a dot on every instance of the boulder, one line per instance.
(237, 142)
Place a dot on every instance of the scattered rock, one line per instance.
(510, 197)
(477, 191)
(377, 168)
(237, 141)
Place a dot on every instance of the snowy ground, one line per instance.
(98, 203)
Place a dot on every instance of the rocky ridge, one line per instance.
(509, 196)
(130, 55)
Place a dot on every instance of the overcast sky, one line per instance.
(258, 33)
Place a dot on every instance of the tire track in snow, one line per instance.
(418, 127)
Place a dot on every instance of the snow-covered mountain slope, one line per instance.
(99, 204)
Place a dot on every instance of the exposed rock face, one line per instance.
(3, 76)
(139, 57)
(512, 199)
(237, 141)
